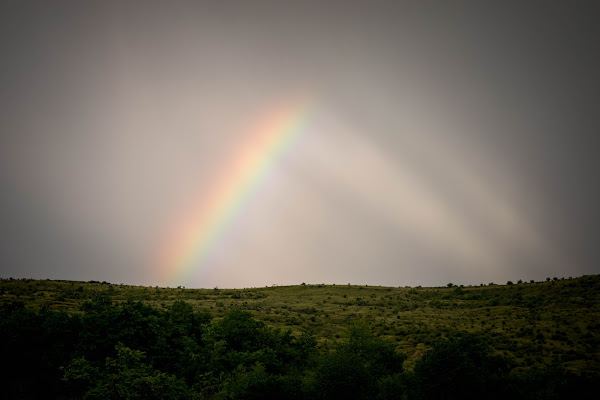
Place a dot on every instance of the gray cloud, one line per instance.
(448, 142)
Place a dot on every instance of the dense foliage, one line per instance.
(130, 350)
(532, 323)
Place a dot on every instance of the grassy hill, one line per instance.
(531, 323)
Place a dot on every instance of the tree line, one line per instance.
(133, 351)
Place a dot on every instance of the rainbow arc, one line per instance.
(195, 238)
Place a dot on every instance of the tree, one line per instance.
(355, 367)
(255, 383)
(459, 369)
(124, 377)
(239, 330)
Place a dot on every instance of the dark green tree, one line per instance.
(124, 377)
(355, 368)
(462, 368)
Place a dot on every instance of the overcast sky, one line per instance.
(446, 141)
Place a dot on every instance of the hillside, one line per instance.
(531, 323)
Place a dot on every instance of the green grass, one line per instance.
(532, 323)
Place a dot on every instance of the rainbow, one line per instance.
(193, 240)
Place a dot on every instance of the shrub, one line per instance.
(460, 369)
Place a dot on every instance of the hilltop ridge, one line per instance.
(532, 323)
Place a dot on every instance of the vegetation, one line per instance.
(93, 340)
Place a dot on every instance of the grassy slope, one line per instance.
(531, 323)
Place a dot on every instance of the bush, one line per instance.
(354, 369)
(460, 369)
(125, 377)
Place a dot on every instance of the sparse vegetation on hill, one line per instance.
(79, 338)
